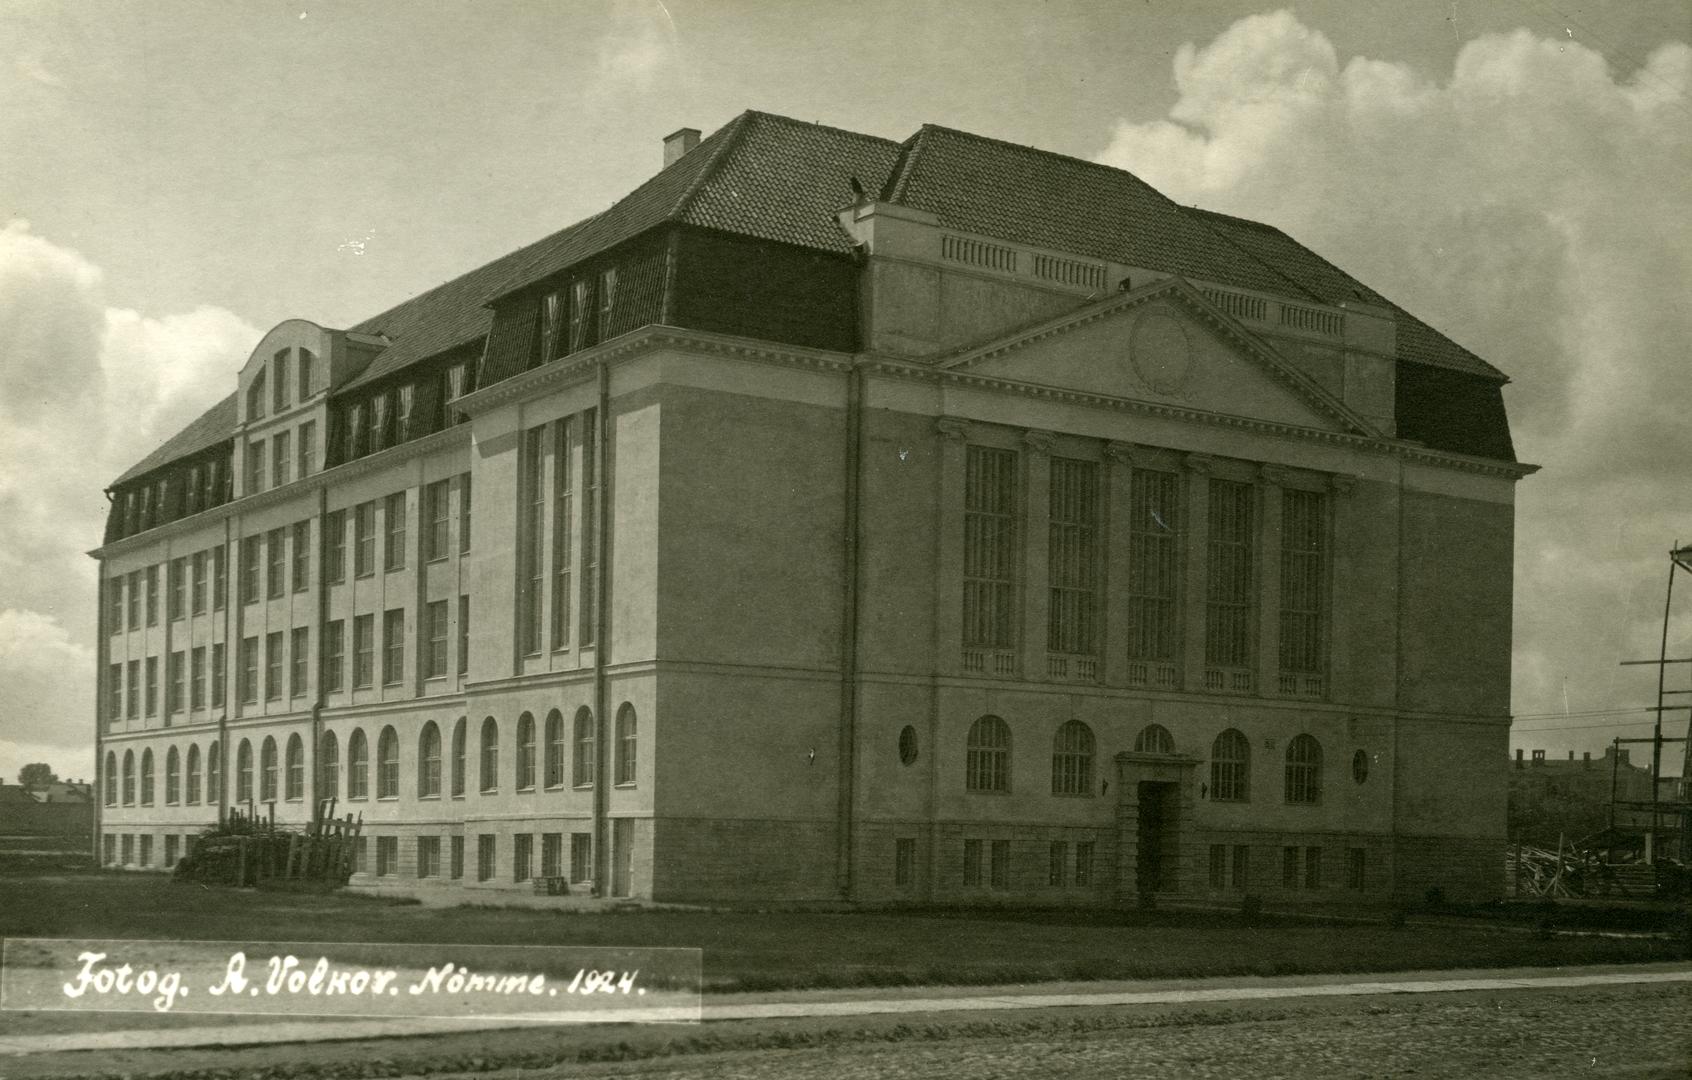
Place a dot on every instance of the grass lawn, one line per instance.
(780, 950)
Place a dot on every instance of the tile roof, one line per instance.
(779, 179)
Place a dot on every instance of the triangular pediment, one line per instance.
(1167, 345)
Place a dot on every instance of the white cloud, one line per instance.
(1535, 206)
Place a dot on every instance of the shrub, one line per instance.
(1251, 909)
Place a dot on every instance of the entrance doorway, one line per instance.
(1155, 839)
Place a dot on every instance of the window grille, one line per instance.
(1230, 580)
(1304, 770)
(428, 856)
(552, 854)
(485, 856)
(581, 857)
(387, 855)
(1230, 767)
(1304, 532)
(1154, 573)
(990, 565)
(987, 766)
(1072, 759)
(1072, 558)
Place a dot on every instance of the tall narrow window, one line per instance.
(114, 692)
(279, 380)
(192, 778)
(114, 604)
(393, 646)
(109, 778)
(435, 652)
(464, 635)
(219, 578)
(302, 555)
(267, 770)
(1072, 561)
(562, 488)
(173, 777)
(129, 778)
(329, 767)
(1230, 767)
(1304, 539)
(550, 317)
(197, 591)
(135, 599)
(387, 764)
(626, 744)
(583, 740)
(255, 466)
(152, 685)
(244, 772)
(393, 537)
(526, 752)
(214, 772)
(581, 314)
(490, 755)
(464, 514)
(293, 776)
(364, 539)
(590, 538)
(437, 520)
(533, 566)
(250, 559)
(152, 596)
(364, 651)
(1304, 770)
(197, 678)
(335, 546)
(132, 707)
(379, 422)
(987, 764)
(1072, 759)
(281, 459)
(276, 561)
(273, 666)
(404, 420)
(176, 588)
(358, 765)
(1230, 586)
(308, 448)
(175, 680)
(555, 747)
(355, 432)
(334, 655)
(299, 657)
(307, 361)
(219, 675)
(460, 735)
(429, 762)
(990, 564)
(607, 302)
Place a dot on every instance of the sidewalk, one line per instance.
(873, 1001)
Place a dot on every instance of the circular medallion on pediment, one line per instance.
(1160, 352)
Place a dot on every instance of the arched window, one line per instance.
(294, 780)
(111, 778)
(490, 755)
(146, 778)
(1230, 767)
(626, 745)
(429, 762)
(526, 752)
(387, 764)
(193, 792)
(173, 777)
(214, 773)
(1154, 739)
(329, 767)
(554, 749)
(585, 761)
(988, 765)
(1072, 759)
(460, 735)
(244, 771)
(358, 765)
(129, 778)
(1304, 770)
(267, 770)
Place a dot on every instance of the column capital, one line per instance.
(951, 428)
(1038, 442)
(1273, 474)
(1342, 484)
(1120, 453)
(1203, 464)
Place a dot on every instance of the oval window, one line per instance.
(907, 745)
(1360, 766)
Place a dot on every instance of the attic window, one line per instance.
(255, 397)
(607, 299)
(279, 380)
(550, 305)
(305, 374)
(581, 296)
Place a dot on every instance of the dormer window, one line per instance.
(255, 397)
(581, 295)
(550, 312)
(279, 380)
(255, 466)
(307, 360)
(406, 396)
(194, 490)
(378, 421)
(355, 432)
(607, 298)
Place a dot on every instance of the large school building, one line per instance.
(840, 518)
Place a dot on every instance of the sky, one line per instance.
(176, 178)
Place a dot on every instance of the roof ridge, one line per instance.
(765, 115)
(899, 178)
(730, 134)
(1297, 285)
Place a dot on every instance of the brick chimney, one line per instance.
(1518, 757)
(679, 143)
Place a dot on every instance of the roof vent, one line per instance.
(679, 143)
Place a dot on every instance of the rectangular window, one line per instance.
(532, 572)
(1242, 866)
(364, 651)
(299, 653)
(361, 855)
(172, 845)
(152, 685)
(281, 459)
(393, 542)
(522, 856)
(581, 857)
(132, 706)
(435, 656)
(302, 555)
(904, 862)
(364, 539)
(197, 678)
(485, 856)
(308, 448)
(1084, 863)
(972, 863)
(562, 489)
(197, 591)
(273, 666)
(1058, 864)
(607, 301)
(463, 635)
(135, 599)
(220, 578)
(1289, 867)
(307, 362)
(464, 514)
(109, 843)
(551, 315)
(378, 422)
(335, 546)
(152, 596)
(249, 670)
(1072, 558)
(407, 399)
(146, 850)
(990, 563)
(176, 582)
(552, 854)
(581, 314)
(114, 605)
(455, 845)
(1218, 866)
(114, 691)
(276, 563)
(176, 676)
(128, 848)
(1304, 538)
(255, 466)
(250, 569)
(334, 655)
(279, 381)
(437, 520)
(428, 856)
(589, 537)
(393, 646)
(1230, 582)
(219, 675)
(1312, 868)
(999, 869)
(387, 855)
(1354, 868)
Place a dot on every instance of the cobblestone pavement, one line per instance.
(1633, 1032)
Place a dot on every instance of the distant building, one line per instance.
(936, 520)
(62, 791)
